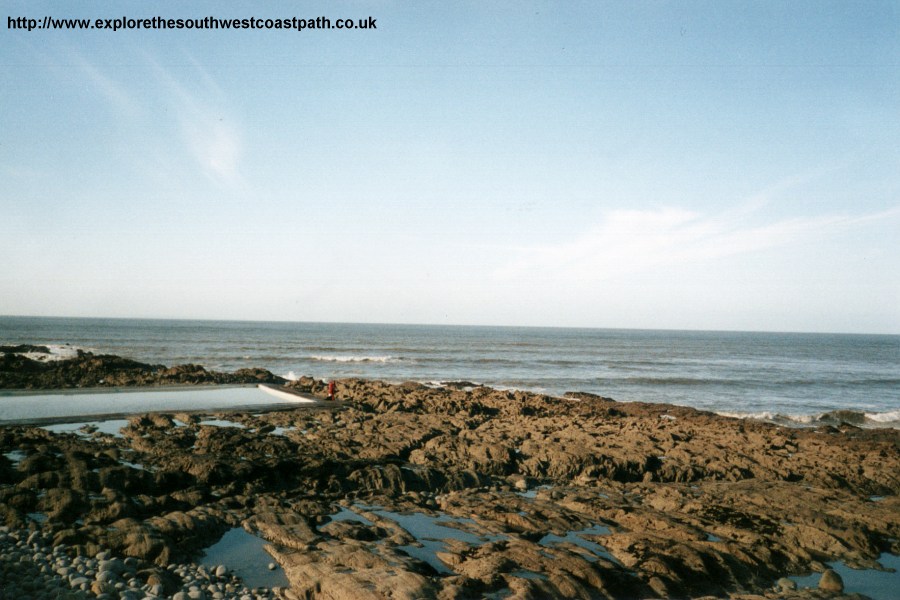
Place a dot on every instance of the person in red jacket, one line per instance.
(331, 390)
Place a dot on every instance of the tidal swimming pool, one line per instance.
(24, 407)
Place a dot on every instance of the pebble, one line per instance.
(107, 577)
(786, 585)
(831, 582)
(31, 566)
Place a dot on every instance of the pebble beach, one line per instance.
(31, 567)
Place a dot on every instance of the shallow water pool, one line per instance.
(243, 553)
(575, 537)
(345, 514)
(429, 531)
(222, 423)
(878, 585)
(15, 457)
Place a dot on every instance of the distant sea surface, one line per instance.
(788, 377)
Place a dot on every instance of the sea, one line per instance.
(799, 379)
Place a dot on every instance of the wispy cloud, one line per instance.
(115, 93)
(216, 146)
(209, 130)
(197, 108)
(632, 241)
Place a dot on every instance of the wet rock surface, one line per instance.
(409, 491)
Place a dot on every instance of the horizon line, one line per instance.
(460, 325)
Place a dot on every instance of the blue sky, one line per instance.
(691, 165)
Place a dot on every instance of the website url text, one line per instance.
(162, 23)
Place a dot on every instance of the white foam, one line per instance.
(291, 376)
(759, 416)
(57, 352)
(885, 417)
(353, 359)
(767, 415)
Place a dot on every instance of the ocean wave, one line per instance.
(354, 359)
(664, 380)
(744, 381)
(889, 419)
(836, 381)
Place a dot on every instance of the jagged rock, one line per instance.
(348, 571)
(23, 348)
(587, 396)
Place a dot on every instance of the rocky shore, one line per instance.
(18, 370)
(411, 491)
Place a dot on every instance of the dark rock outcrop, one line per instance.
(90, 370)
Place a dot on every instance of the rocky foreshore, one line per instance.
(411, 491)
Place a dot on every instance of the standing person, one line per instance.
(331, 390)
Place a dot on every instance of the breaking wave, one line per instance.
(56, 352)
(354, 359)
(889, 419)
(885, 417)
